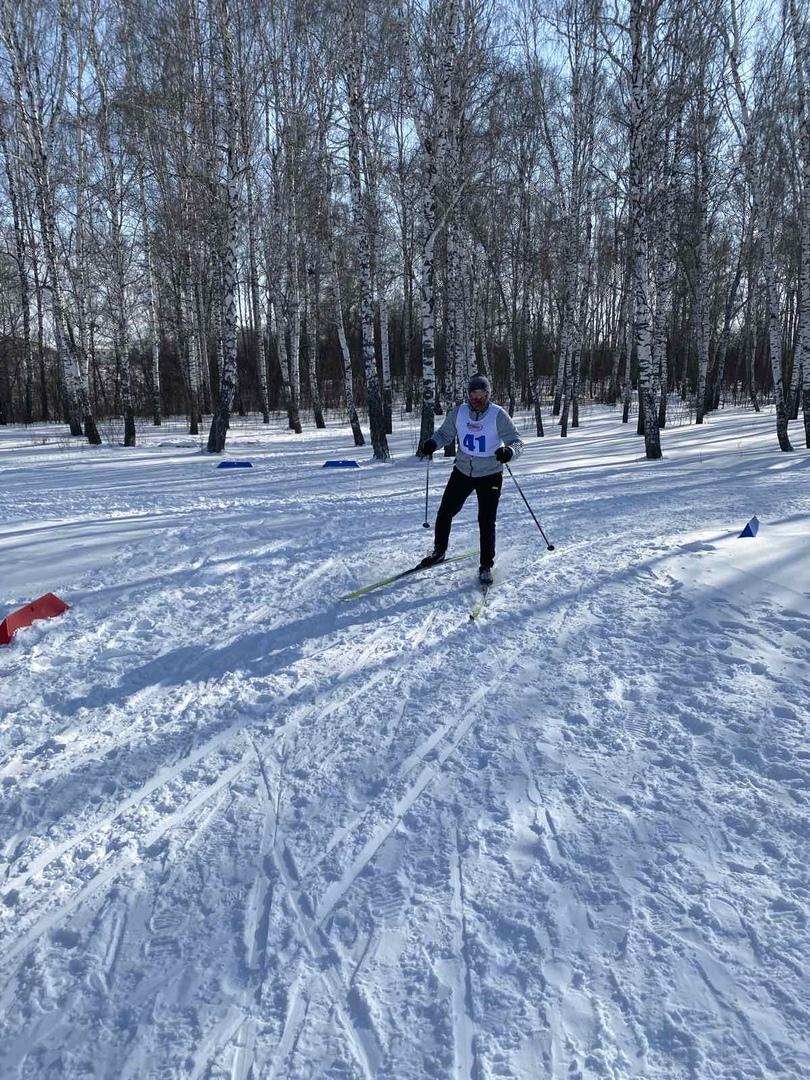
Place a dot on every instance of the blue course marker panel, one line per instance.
(340, 465)
(751, 529)
(235, 465)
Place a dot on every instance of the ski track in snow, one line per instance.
(250, 831)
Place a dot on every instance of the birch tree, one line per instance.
(568, 127)
(324, 94)
(702, 312)
(213, 175)
(149, 270)
(227, 375)
(639, 178)
(799, 36)
(248, 88)
(432, 119)
(37, 116)
(672, 82)
(311, 307)
(732, 34)
(11, 163)
(114, 181)
(360, 202)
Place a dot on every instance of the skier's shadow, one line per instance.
(258, 655)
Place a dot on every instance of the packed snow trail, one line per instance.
(247, 830)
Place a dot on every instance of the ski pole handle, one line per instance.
(537, 523)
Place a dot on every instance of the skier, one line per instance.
(487, 439)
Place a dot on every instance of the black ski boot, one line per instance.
(485, 576)
(433, 558)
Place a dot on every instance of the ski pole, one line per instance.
(537, 523)
(426, 523)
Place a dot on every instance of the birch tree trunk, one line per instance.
(702, 315)
(40, 306)
(294, 301)
(311, 341)
(567, 329)
(627, 335)
(427, 302)
(534, 379)
(573, 195)
(385, 356)
(245, 70)
(284, 364)
(511, 370)
(619, 334)
(470, 308)
(323, 106)
(337, 301)
(20, 248)
(113, 182)
(200, 371)
(638, 218)
(276, 244)
(803, 358)
(664, 278)
(795, 388)
(434, 149)
(259, 337)
(348, 381)
(405, 224)
(775, 341)
(293, 292)
(725, 334)
(760, 217)
(227, 374)
(357, 136)
(453, 319)
(189, 349)
(581, 321)
(26, 81)
(152, 301)
(84, 228)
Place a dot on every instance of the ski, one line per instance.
(403, 574)
(479, 607)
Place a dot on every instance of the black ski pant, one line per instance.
(459, 488)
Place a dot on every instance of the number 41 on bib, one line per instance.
(470, 441)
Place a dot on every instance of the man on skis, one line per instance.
(487, 440)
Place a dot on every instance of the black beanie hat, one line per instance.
(479, 382)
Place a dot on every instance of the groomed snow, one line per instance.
(250, 830)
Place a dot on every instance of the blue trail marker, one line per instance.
(235, 465)
(340, 465)
(751, 529)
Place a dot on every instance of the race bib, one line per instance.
(478, 438)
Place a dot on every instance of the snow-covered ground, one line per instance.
(248, 829)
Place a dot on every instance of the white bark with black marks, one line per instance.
(385, 357)
(763, 226)
(346, 357)
(310, 346)
(21, 253)
(230, 264)
(26, 81)
(357, 151)
(639, 165)
(154, 331)
(114, 183)
(799, 37)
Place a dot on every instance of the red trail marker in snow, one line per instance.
(44, 607)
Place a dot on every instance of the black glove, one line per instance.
(504, 454)
(429, 446)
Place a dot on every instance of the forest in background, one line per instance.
(218, 205)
